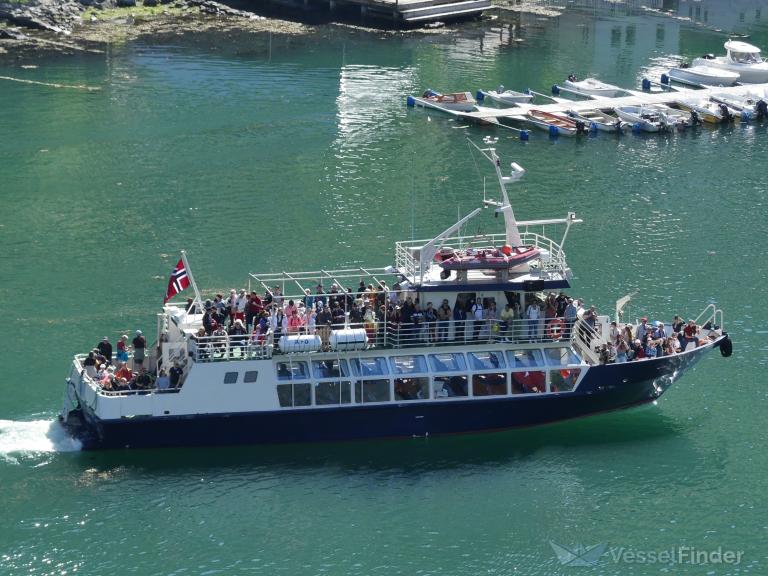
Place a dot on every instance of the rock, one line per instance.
(126, 3)
(151, 3)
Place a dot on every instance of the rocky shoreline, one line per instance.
(71, 26)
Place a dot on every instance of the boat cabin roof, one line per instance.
(739, 46)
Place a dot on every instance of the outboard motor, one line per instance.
(695, 120)
(581, 128)
(761, 110)
(727, 116)
(572, 78)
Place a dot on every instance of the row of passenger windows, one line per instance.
(418, 387)
(415, 364)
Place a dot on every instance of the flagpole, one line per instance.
(198, 300)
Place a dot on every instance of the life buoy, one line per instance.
(555, 329)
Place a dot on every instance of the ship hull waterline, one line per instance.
(604, 388)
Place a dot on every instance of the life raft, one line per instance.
(486, 259)
(555, 329)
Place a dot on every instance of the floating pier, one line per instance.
(495, 116)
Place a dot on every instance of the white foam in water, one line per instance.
(35, 436)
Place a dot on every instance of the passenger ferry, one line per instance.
(382, 376)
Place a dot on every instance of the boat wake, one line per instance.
(34, 436)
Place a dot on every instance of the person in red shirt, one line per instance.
(689, 334)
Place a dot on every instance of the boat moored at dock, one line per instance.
(741, 58)
(703, 76)
(417, 349)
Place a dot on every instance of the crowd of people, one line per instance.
(648, 341)
(393, 316)
(114, 374)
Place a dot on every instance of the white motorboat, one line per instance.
(600, 121)
(652, 117)
(704, 75)
(741, 58)
(456, 102)
(505, 97)
(593, 87)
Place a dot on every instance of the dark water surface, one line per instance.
(291, 153)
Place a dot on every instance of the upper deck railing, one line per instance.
(551, 262)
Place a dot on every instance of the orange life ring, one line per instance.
(555, 329)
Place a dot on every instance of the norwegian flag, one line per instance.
(178, 282)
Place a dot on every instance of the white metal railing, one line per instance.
(711, 314)
(407, 252)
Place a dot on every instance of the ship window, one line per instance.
(294, 395)
(411, 388)
(230, 377)
(408, 364)
(369, 366)
(292, 371)
(529, 382)
(447, 362)
(560, 356)
(372, 391)
(250, 376)
(525, 358)
(494, 384)
(450, 386)
(333, 393)
(486, 360)
(563, 380)
(329, 368)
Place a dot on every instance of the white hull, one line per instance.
(748, 73)
(508, 97)
(706, 75)
(593, 87)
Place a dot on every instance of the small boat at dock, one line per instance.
(600, 121)
(652, 117)
(504, 97)
(455, 101)
(706, 110)
(593, 87)
(740, 57)
(555, 124)
(703, 76)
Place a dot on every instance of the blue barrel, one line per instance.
(665, 79)
(524, 135)
(646, 85)
(553, 131)
(593, 126)
(480, 96)
(410, 102)
(555, 89)
(637, 127)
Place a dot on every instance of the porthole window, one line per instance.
(230, 377)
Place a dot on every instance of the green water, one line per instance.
(258, 154)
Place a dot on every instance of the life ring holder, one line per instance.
(555, 329)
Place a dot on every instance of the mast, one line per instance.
(198, 302)
(505, 207)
